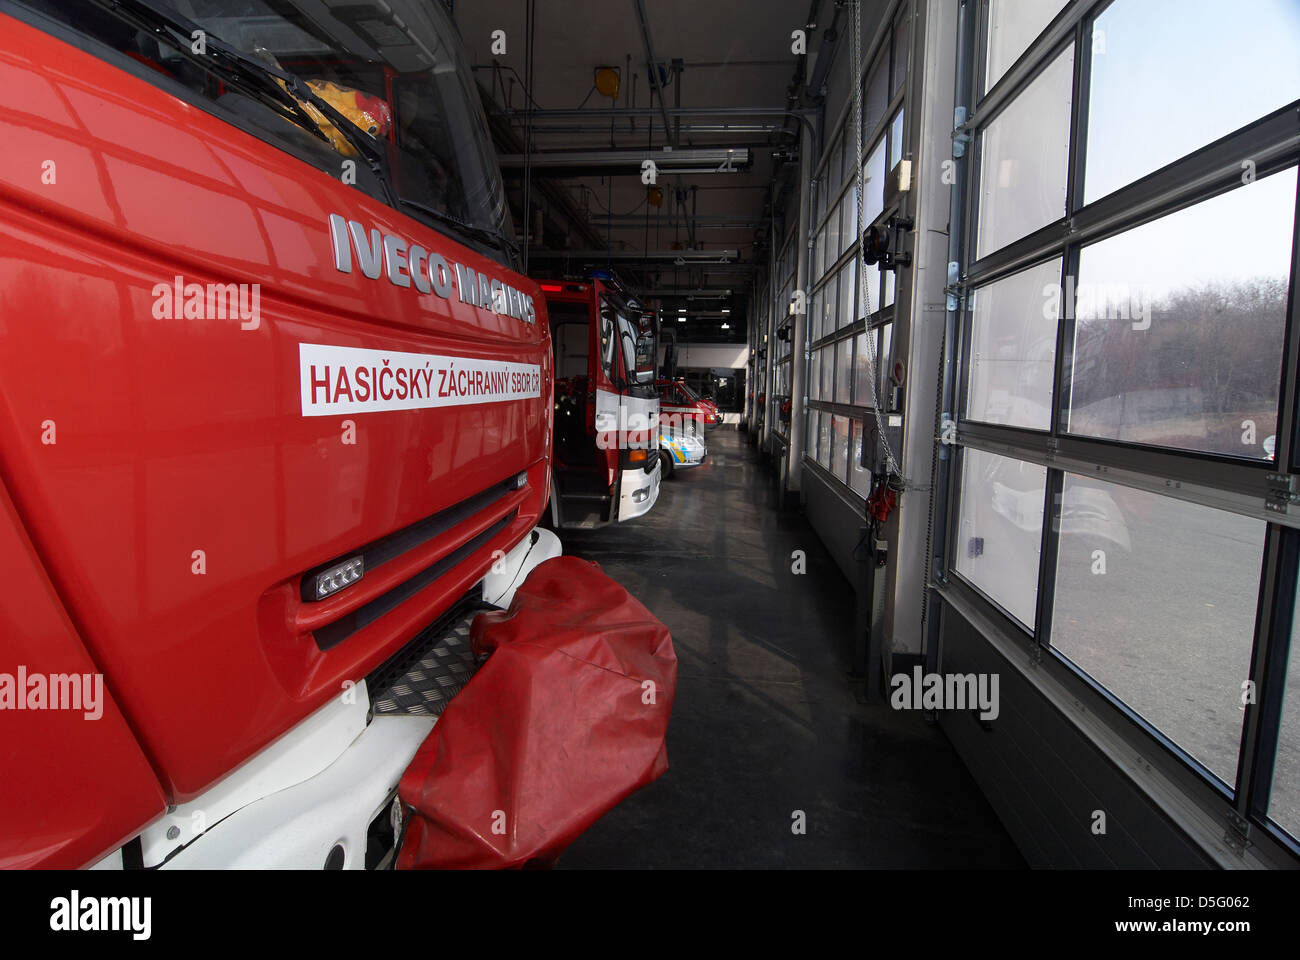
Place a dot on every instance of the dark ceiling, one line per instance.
(691, 242)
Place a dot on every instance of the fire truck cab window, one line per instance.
(607, 338)
(569, 335)
(415, 133)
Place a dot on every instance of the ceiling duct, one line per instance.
(693, 160)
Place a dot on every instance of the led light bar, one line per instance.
(331, 581)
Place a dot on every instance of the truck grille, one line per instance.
(399, 565)
(333, 634)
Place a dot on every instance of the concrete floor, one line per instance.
(765, 722)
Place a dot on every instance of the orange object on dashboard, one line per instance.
(367, 113)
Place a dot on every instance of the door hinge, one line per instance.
(1237, 833)
(960, 136)
(1281, 492)
(956, 297)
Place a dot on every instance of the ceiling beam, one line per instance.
(704, 257)
(690, 293)
(714, 159)
(615, 113)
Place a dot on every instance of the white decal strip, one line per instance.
(336, 380)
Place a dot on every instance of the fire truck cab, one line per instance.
(683, 411)
(606, 465)
(275, 414)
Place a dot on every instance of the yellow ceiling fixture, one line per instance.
(607, 81)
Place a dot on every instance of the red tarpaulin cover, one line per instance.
(565, 719)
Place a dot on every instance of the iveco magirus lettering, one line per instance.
(411, 265)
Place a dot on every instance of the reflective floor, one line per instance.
(766, 724)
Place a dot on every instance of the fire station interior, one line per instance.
(997, 301)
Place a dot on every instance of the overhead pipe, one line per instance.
(726, 159)
(716, 221)
(717, 258)
(803, 114)
(653, 66)
(825, 60)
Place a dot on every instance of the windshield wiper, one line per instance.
(256, 79)
(499, 240)
(250, 76)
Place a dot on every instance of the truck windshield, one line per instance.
(392, 69)
(681, 385)
(638, 351)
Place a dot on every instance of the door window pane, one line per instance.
(1179, 331)
(885, 364)
(832, 239)
(1284, 800)
(1024, 155)
(861, 370)
(831, 174)
(814, 376)
(840, 448)
(824, 440)
(848, 294)
(1013, 348)
(873, 197)
(896, 140)
(902, 44)
(1000, 526)
(828, 373)
(877, 97)
(1013, 26)
(829, 304)
(815, 318)
(859, 476)
(848, 217)
(1155, 600)
(871, 273)
(810, 441)
(1230, 70)
(843, 370)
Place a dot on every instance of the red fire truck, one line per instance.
(275, 411)
(683, 411)
(607, 466)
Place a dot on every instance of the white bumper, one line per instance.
(638, 491)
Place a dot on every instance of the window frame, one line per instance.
(1230, 483)
(831, 205)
